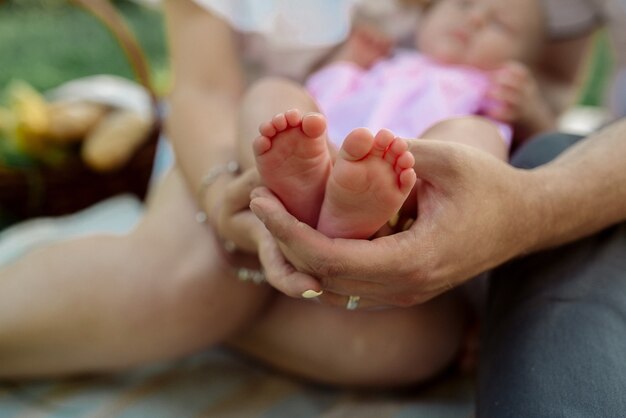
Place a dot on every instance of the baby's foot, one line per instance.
(293, 159)
(371, 179)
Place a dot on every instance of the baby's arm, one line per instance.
(364, 47)
(516, 99)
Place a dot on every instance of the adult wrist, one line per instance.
(540, 225)
(206, 205)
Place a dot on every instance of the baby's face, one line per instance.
(481, 33)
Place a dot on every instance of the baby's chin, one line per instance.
(449, 56)
(449, 59)
(455, 56)
(461, 60)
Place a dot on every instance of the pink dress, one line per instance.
(406, 94)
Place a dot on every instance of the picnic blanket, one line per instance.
(220, 384)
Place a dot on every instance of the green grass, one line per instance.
(48, 42)
(599, 71)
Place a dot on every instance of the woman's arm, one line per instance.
(208, 84)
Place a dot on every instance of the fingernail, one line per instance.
(310, 294)
(256, 211)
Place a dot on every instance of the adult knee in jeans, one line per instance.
(543, 149)
(555, 333)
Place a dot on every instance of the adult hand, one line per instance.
(236, 223)
(475, 212)
(229, 212)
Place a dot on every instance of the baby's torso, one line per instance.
(406, 94)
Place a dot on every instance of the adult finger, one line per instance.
(237, 194)
(242, 230)
(284, 227)
(283, 276)
(235, 221)
(435, 161)
(324, 258)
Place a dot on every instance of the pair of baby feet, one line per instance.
(350, 198)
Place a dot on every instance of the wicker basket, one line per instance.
(45, 191)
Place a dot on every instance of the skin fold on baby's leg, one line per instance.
(369, 182)
(474, 131)
(294, 161)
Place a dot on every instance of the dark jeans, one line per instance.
(555, 327)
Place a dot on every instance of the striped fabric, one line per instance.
(221, 384)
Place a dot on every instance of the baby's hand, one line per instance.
(365, 46)
(512, 94)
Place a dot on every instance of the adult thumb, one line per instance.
(435, 160)
(270, 210)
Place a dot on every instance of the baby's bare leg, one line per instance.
(357, 348)
(470, 130)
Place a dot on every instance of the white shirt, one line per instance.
(285, 37)
(288, 23)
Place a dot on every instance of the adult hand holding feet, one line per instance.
(368, 183)
(466, 200)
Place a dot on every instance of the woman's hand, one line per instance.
(235, 223)
(475, 212)
(227, 205)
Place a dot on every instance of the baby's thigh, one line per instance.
(360, 348)
(474, 131)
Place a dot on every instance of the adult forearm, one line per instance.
(202, 130)
(583, 190)
(208, 83)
